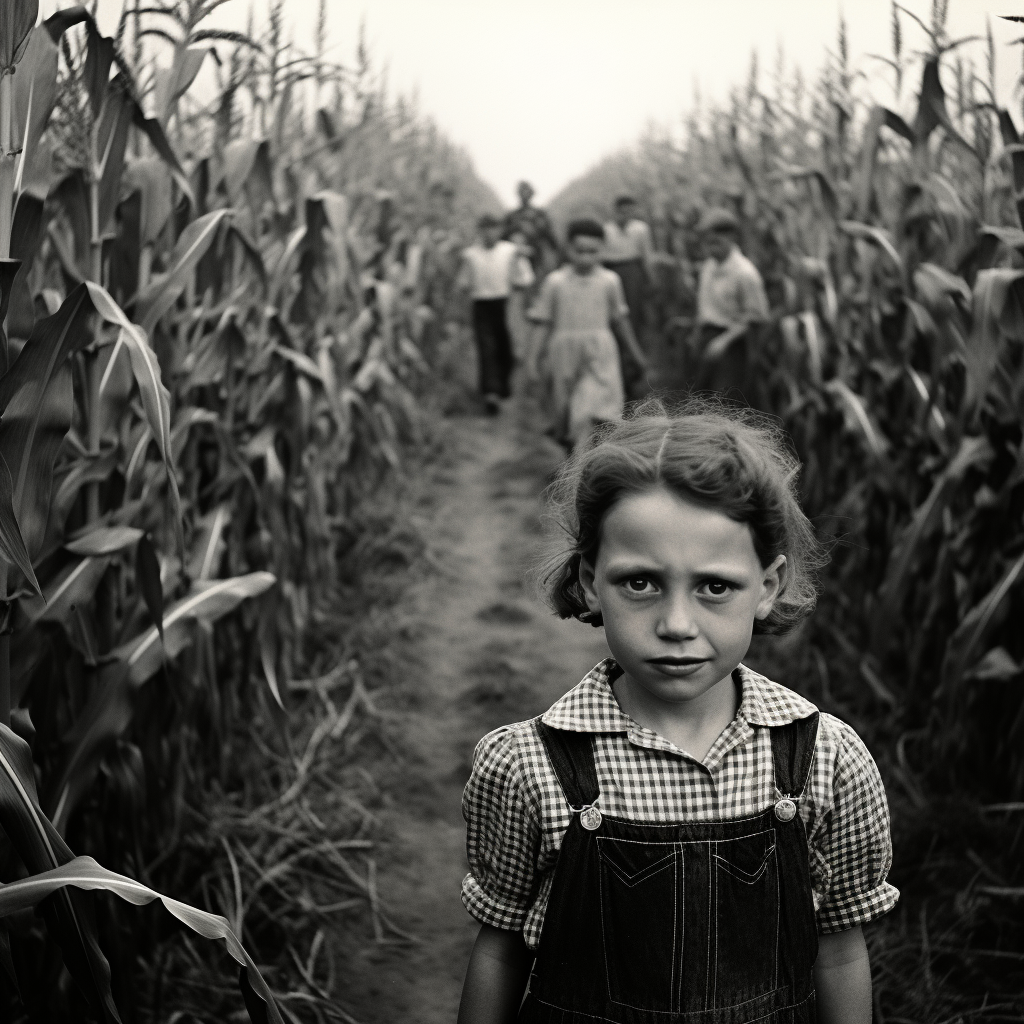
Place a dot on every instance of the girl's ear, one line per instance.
(771, 586)
(587, 583)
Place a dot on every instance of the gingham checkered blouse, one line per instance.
(516, 813)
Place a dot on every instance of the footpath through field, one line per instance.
(482, 651)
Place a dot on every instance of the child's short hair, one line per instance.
(733, 460)
(718, 221)
(488, 220)
(625, 200)
(585, 227)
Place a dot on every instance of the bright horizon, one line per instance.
(543, 89)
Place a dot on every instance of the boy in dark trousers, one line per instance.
(490, 269)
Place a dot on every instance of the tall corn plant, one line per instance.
(170, 326)
(39, 416)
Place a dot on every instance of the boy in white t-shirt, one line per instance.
(491, 268)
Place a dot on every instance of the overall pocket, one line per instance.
(641, 921)
(746, 886)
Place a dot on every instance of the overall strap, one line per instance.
(792, 749)
(572, 757)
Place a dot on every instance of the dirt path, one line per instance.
(484, 652)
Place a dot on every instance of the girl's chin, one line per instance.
(676, 684)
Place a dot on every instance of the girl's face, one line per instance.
(585, 252)
(679, 586)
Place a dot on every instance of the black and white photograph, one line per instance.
(511, 512)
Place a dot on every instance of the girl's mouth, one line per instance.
(677, 668)
(676, 662)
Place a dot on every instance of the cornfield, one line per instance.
(891, 242)
(216, 318)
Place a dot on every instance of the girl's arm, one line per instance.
(540, 335)
(842, 977)
(623, 330)
(496, 978)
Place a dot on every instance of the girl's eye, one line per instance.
(716, 588)
(638, 585)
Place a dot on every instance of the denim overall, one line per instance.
(690, 923)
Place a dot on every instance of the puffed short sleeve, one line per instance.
(852, 854)
(502, 835)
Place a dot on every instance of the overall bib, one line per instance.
(691, 923)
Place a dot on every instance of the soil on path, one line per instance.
(484, 651)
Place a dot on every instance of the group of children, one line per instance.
(678, 839)
(583, 344)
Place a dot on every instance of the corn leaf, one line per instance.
(209, 543)
(111, 138)
(36, 401)
(973, 453)
(104, 540)
(68, 918)
(172, 83)
(878, 118)
(156, 400)
(103, 720)
(152, 178)
(12, 544)
(190, 248)
(147, 579)
(246, 168)
(301, 362)
(976, 626)
(85, 873)
(996, 306)
(88, 470)
(879, 237)
(154, 131)
(217, 351)
(35, 95)
(71, 588)
(856, 417)
(99, 56)
(8, 275)
(143, 655)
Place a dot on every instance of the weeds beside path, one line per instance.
(475, 650)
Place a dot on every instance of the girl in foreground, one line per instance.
(677, 839)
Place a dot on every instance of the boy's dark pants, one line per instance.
(733, 373)
(493, 346)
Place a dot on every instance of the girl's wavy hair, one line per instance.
(733, 460)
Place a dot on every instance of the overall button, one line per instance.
(590, 818)
(785, 809)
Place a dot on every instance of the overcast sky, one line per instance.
(541, 89)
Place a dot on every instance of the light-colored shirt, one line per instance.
(731, 292)
(633, 242)
(580, 302)
(516, 813)
(492, 273)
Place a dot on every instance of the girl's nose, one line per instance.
(678, 621)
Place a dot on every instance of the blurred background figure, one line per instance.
(628, 251)
(534, 226)
(582, 323)
(491, 268)
(520, 297)
(731, 304)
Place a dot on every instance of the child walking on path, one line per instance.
(490, 270)
(579, 314)
(677, 840)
